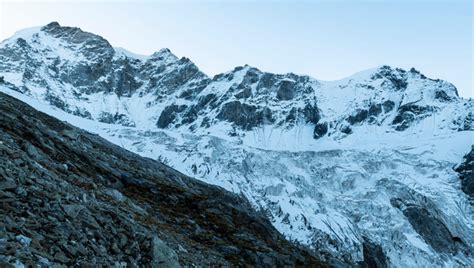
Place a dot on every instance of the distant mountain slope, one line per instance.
(360, 169)
(70, 197)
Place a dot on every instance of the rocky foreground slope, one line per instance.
(69, 197)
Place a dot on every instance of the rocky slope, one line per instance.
(357, 169)
(70, 197)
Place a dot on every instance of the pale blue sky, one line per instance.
(324, 39)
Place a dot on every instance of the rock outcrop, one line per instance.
(466, 173)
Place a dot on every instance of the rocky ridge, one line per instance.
(81, 73)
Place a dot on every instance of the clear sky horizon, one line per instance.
(327, 40)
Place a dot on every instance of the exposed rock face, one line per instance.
(117, 118)
(431, 229)
(374, 256)
(466, 173)
(408, 114)
(371, 114)
(69, 197)
(431, 224)
(320, 130)
(169, 115)
(244, 115)
(286, 90)
(396, 79)
(251, 99)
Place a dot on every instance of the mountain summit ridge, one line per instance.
(113, 86)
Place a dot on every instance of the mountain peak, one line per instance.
(50, 25)
(59, 39)
(164, 52)
(75, 35)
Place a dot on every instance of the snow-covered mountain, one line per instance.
(360, 169)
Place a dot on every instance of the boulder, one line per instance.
(162, 255)
(320, 130)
